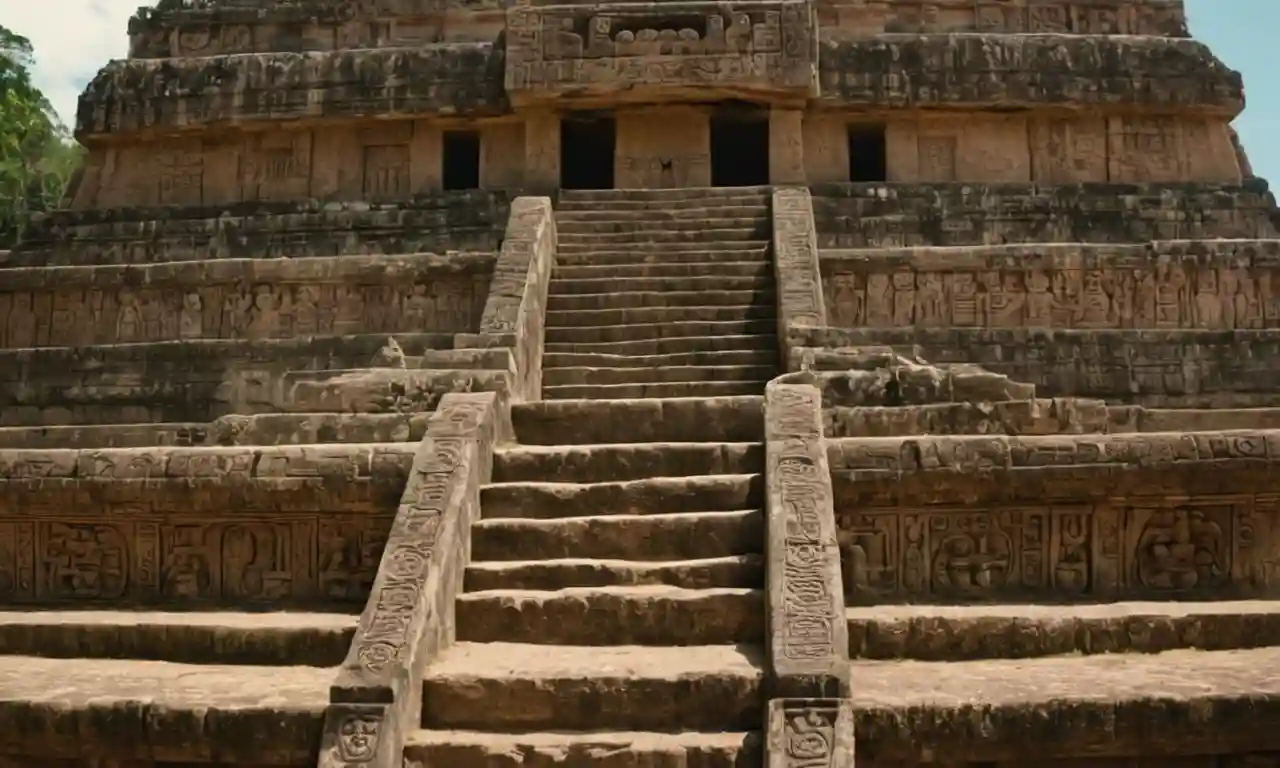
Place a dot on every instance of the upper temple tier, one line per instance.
(383, 100)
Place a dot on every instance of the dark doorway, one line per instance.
(461, 160)
(586, 152)
(868, 157)
(740, 148)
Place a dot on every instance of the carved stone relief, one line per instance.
(843, 19)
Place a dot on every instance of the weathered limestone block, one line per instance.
(219, 28)
(1071, 517)
(279, 526)
(983, 70)
(642, 52)
(181, 94)
(900, 382)
(1209, 284)
(246, 299)
(847, 19)
(408, 619)
(809, 642)
(202, 380)
(1057, 416)
(795, 263)
(1170, 368)
(452, 221)
(1135, 418)
(810, 732)
(894, 215)
(384, 390)
(517, 300)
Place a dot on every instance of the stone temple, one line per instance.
(787, 383)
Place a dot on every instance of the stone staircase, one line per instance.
(661, 293)
(614, 603)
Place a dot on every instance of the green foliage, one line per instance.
(37, 156)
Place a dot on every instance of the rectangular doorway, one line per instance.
(740, 149)
(587, 144)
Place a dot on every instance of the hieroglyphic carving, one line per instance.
(1126, 547)
(805, 596)
(1146, 149)
(1061, 287)
(556, 50)
(149, 558)
(1095, 17)
(63, 315)
(795, 247)
(810, 733)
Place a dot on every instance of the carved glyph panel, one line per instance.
(1165, 295)
(1147, 547)
(557, 51)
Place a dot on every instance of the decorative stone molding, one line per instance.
(795, 263)
(643, 51)
(808, 653)
(810, 733)
(408, 619)
(515, 311)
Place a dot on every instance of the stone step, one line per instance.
(633, 236)
(757, 280)
(668, 195)
(651, 496)
(714, 251)
(281, 639)
(676, 346)
(117, 712)
(762, 357)
(580, 318)
(710, 210)
(513, 686)
(679, 536)
(685, 420)
(608, 334)
(587, 256)
(626, 615)
(616, 224)
(735, 571)
(624, 461)
(1031, 711)
(616, 301)
(657, 375)
(592, 749)
(664, 269)
(626, 391)
(954, 633)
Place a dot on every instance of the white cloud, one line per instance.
(72, 40)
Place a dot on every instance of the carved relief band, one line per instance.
(681, 51)
(228, 299)
(1210, 285)
(1084, 517)
(809, 637)
(795, 265)
(864, 18)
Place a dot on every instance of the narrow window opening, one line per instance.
(461, 160)
(868, 155)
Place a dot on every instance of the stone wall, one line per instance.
(848, 19)
(1209, 284)
(1174, 368)
(1089, 517)
(438, 223)
(243, 299)
(207, 527)
(890, 215)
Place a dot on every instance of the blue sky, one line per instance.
(74, 37)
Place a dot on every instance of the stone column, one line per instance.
(786, 146)
(542, 151)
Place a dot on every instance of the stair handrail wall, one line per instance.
(809, 717)
(408, 620)
(515, 311)
(796, 269)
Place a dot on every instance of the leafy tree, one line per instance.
(37, 155)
